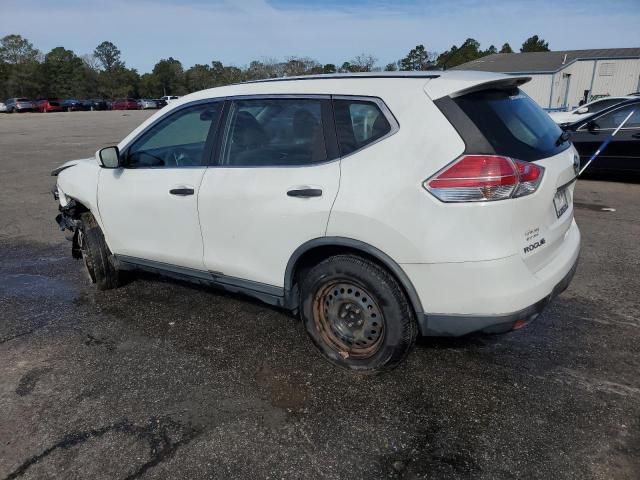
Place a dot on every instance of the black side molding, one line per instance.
(54, 173)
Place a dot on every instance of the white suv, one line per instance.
(377, 207)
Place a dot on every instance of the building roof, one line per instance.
(543, 62)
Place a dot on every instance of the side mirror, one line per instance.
(592, 126)
(582, 110)
(109, 157)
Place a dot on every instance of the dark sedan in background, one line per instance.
(95, 104)
(622, 155)
(72, 105)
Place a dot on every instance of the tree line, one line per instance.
(61, 73)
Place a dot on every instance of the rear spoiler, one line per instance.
(460, 82)
(495, 84)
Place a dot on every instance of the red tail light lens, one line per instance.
(481, 178)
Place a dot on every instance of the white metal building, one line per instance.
(561, 79)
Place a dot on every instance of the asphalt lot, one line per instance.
(167, 380)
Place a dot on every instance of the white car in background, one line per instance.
(3, 107)
(376, 206)
(587, 109)
(147, 104)
(169, 98)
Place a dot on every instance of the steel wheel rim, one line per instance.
(348, 319)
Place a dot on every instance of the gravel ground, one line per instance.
(160, 379)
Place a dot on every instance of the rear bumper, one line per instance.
(458, 325)
(491, 296)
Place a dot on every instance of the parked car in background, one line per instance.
(377, 207)
(46, 105)
(3, 107)
(147, 104)
(161, 102)
(622, 155)
(19, 105)
(170, 98)
(585, 110)
(125, 104)
(95, 104)
(72, 105)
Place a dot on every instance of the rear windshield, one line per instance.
(22, 99)
(513, 124)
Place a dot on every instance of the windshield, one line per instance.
(513, 124)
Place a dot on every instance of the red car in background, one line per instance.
(125, 104)
(48, 105)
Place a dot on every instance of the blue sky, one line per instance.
(331, 31)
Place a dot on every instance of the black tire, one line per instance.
(347, 300)
(96, 254)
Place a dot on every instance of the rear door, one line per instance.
(275, 181)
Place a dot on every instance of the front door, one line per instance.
(272, 190)
(149, 208)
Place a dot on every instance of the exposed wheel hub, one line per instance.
(349, 319)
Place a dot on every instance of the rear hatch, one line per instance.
(501, 120)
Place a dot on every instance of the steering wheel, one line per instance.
(179, 157)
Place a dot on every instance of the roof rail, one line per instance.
(355, 75)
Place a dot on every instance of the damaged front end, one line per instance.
(69, 220)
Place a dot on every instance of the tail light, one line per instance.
(481, 178)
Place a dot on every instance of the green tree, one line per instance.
(329, 68)
(506, 48)
(198, 77)
(534, 44)
(468, 51)
(65, 74)
(109, 56)
(170, 76)
(417, 59)
(21, 69)
(391, 67)
(148, 87)
(345, 68)
(490, 51)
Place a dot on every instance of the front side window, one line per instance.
(274, 132)
(611, 120)
(177, 140)
(358, 123)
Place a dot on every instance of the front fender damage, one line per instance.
(69, 219)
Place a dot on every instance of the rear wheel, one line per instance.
(356, 314)
(96, 254)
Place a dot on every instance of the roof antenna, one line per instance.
(565, 59)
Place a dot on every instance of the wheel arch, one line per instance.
(316, 250)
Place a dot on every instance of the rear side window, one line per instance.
(274, 132)
(512, 123)
(598, 106)
(358, 123)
